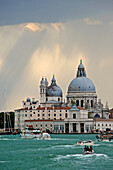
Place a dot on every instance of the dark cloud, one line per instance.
(17, 12)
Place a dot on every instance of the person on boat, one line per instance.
(85, 148)
(91, 148)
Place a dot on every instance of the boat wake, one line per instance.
(1, 162)
(8, 139)
(81, 156)
(63, 146)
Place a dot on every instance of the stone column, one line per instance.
(78, 128)
(70, 128)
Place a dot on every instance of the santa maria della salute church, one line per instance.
(81, 113)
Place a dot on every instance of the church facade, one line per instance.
(81, 113)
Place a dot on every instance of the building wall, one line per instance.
(85, 97)
(103, 124)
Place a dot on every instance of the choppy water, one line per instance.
(54, 154)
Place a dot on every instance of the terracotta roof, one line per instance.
(111, 110)
(45, 120)
(50, 108)
(81, 108)
(22, 109)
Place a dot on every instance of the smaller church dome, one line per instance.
(28, 99)
(53, 89)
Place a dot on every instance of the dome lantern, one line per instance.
(81, 70)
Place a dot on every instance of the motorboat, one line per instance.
(88, 150)
(86, 142)
(105, 134)
(30, 133)
(104, 139)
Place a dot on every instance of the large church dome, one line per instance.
(81, 83)
(53, 89)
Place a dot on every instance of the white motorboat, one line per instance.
(86, 142)
(88, 152)
(30, 133)
(104, 140)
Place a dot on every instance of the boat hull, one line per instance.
(88, 152)
(38, 136)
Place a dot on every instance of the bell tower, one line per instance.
(43, 86)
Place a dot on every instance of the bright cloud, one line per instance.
(57, 26)
(91, 21)
(36, 27)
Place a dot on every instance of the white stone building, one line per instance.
(52, 114)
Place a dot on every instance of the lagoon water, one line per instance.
(58, 153)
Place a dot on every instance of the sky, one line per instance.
(45, 37)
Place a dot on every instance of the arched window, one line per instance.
(82, 102)
(65, 115)
(77, 102)
(97, 116)
(91, 103)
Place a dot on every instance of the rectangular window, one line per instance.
(30, 110)
(56, 128)
(34, 112)
(87, 128)
(25, 115)
(54, 114)
(30, 115)
(48, 110)
(54, 110)
(60, 110)
(43, 114)
(26, 111)
(62, 127)
(38, 115)
(74, 116)
(60, 114)
(48, 114)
